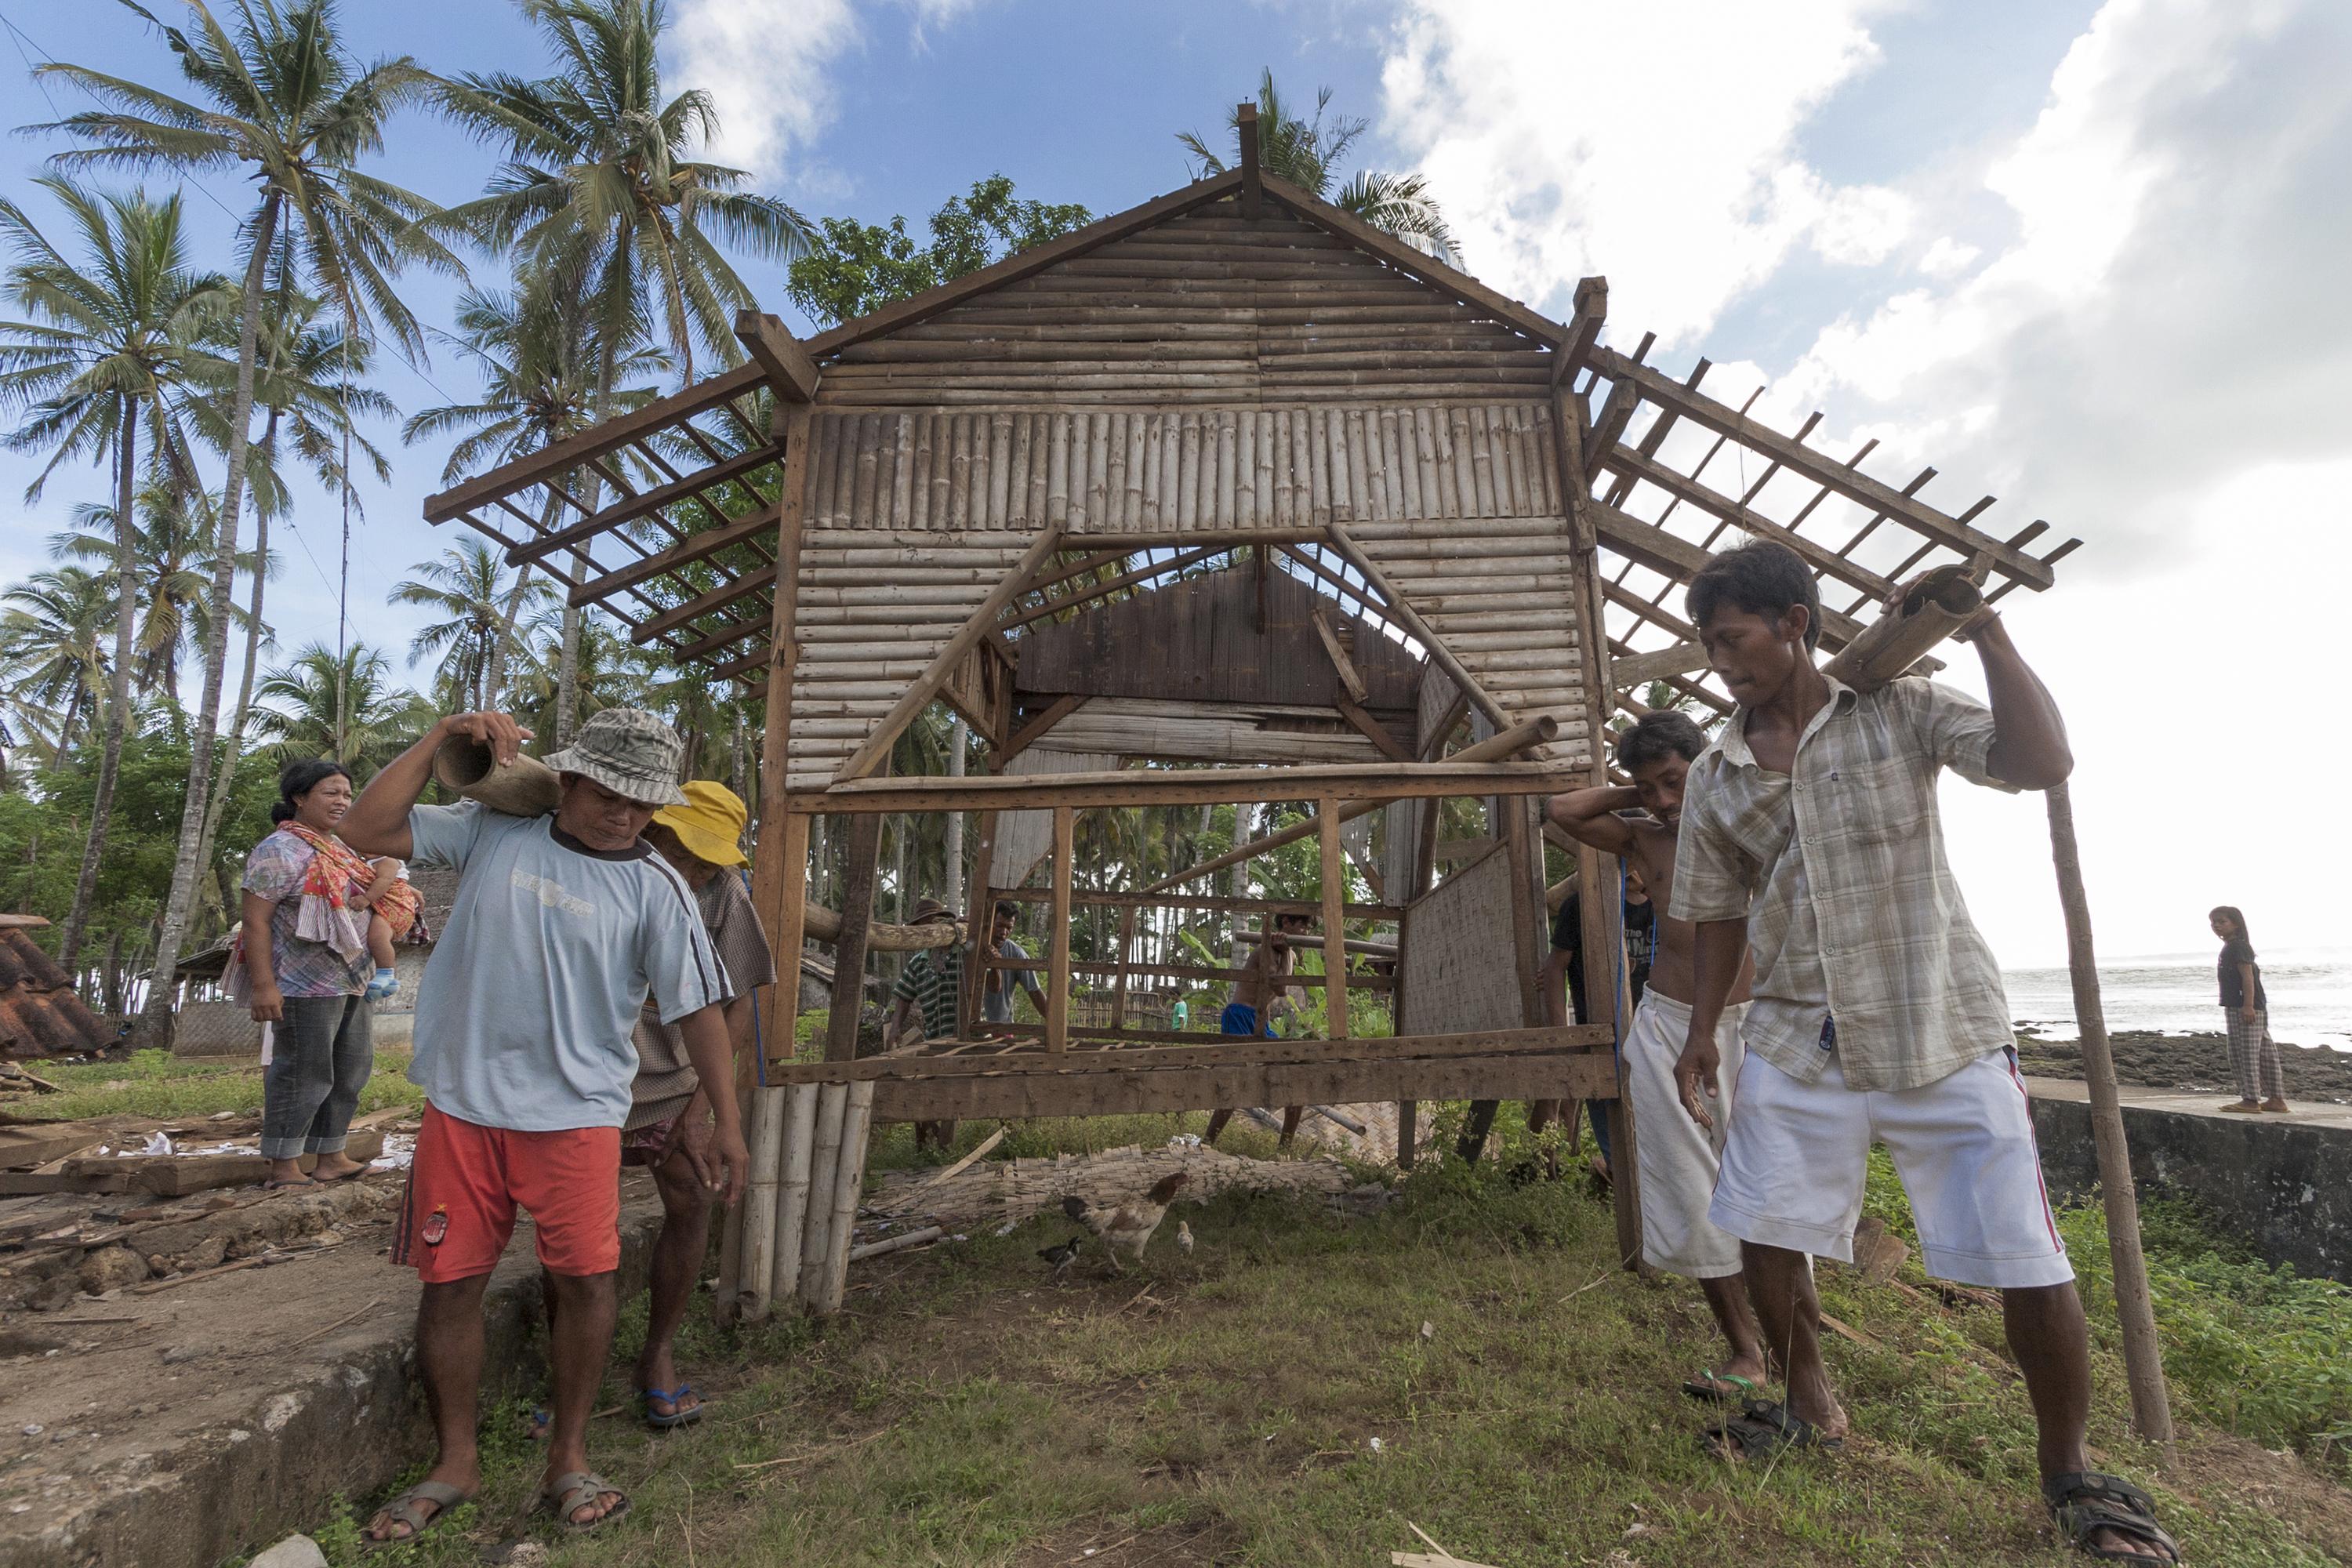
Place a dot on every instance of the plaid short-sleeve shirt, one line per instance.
(931, 980)
(1838, 869)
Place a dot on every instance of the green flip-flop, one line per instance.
(1709, 1387)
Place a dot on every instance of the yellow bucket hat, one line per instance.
(710, 822)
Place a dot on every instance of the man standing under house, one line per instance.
(1257, 995)
(932, 981)
(1810, 833)
(1678, 1158)
(562, 927)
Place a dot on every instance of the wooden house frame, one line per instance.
(908, 507)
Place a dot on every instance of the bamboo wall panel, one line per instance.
(1206, 308)
(874, 609)
(1025, 837)
(1458, 953)
(1180, 471)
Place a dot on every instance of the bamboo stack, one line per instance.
(808, 1168)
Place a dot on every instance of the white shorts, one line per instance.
(1793, 1171)
(1674, 1157)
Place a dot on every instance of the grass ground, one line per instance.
(963, 1411)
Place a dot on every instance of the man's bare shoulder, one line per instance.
(1654, 842)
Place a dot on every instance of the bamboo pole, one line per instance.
(1335, 920)
(1126, 960)
(849, 951)
(1057, 983)
(849, 1183)
(759, 1206)
(793, 1192)
(2143, 1358)
(1507, 744)
(824, 1167)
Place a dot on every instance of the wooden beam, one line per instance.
(1335, 920)
(780, 852)
(1683, 487)
(849, 950)
(1019, 741)
(1822, 468)
(1339, 659)
(1623, 397)
(591, 443)
(1372, 730)
(1680, 559)
(628, 511)
(1464, 681)
(968, 637)
(692, 548)
(779, 355)
(1252, 194)
(1057, 979)
(1591, 313)
(1374, 784)
(979, 914)
(1093, 897)
(1022, 264)
(1215, 1051)
(701, 604)
(1055, 606)
(1638, 670)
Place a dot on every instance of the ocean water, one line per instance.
(2310, 993)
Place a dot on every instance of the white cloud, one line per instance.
(1681, 183)
(768, 65)
(1947, 257)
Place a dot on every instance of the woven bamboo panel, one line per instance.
(1180, 471)
(1458, 953)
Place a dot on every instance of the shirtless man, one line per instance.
(1678, 1158)
(1258, 992)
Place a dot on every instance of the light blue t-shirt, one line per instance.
(526, 1013)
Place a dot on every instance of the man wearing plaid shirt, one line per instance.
(1810, 835)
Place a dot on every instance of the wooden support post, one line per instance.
(1408, 1127)
(1335, 920)
(793, 1192)
(1252, 200)
(1126, 961)
(1527, 907)
(979, 914)
(759, 1206)
(2143, 1357)
(849, 951)
(1057, 981)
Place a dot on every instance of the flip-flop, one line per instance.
(576, 1489)
(1705, 1387)
(402, 1509)
(677, 1417)
(1762, 1430)
(275, 1185)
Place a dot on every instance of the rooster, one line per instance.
(1127, 1228)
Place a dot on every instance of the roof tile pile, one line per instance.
(39, 1014)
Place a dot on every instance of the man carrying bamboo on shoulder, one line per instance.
(1676, 1157)
(1809, 834)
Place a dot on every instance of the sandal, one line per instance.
(2086, 1502)
(405, 1509)
(1763, 1430)
(275, 1185)
(679, 1416)
(575, 1490)
(1709, 1387)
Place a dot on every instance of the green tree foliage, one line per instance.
(858, 267)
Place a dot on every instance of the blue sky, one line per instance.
(2067, 252)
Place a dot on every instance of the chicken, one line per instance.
(1183, 1238)
(1061, 1258)
(1127, 1228)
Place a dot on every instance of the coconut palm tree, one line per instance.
(277, 99)
(296, 713)
(172, 545)
(601, 185)
(1308, 153)
(110, 338)
(467, 586)
(540, 362)
(53, 652)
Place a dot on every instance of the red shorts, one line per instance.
(465, 1182)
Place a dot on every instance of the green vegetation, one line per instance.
(158, 1084)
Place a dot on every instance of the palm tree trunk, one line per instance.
(117, 685)
(154, 1017)
(216, 803)
(567, 669)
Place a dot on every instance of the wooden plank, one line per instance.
(1120, 1090)
(1368, 784)
(1334, 919)
(692, 548)
(1631, 671)
(1822, 468)
(632, 507)
(1374, 731)
(849, 948)
(596, 441)
(1217, 1051)
(1089, 897)
(1057, 985)
(1020, 740)
(1420, 628)
(1353, 682)
(920, 695)
(779, 355)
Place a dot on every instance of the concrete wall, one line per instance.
(2287, 1188)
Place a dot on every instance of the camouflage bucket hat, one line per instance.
(628, 751)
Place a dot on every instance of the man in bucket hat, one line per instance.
(562, 927)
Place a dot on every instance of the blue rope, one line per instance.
(759, 1041)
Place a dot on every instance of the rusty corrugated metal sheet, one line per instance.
(39, 1014)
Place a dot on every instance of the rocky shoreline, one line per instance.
(2154, 1060)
